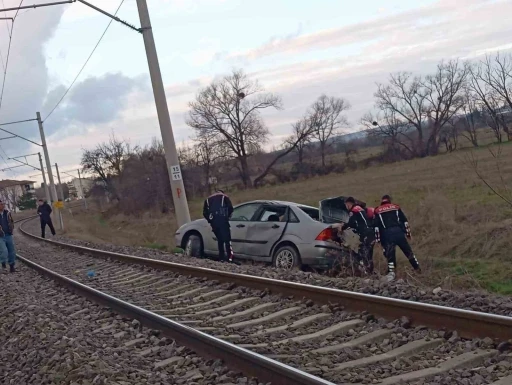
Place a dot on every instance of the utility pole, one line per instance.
(53, 191)
(171, 154)
(46, 190)
(61, 196)
(82, 189)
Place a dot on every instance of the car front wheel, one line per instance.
(193, 246)
(287, 257)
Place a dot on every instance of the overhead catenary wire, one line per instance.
(85, 64)
(5, 68)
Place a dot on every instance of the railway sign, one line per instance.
(176, 172)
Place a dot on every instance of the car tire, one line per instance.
(193, 246)
(287, 257)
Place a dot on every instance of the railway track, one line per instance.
(342, 337)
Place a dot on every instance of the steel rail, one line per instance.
(236, 358)
(468, 323)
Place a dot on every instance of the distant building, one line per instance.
(12, 190)
(74, 187)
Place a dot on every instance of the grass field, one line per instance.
(462, 231)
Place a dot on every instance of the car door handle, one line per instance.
(240, 226)
(276, 226)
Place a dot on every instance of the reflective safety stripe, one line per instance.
(382, 221)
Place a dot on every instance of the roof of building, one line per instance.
(10, 182)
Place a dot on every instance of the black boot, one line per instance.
(12, 269)
(4, 266)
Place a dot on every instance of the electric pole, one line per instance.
(53, 191)
(61, 196)
(82, 189)
(46, 189)
(171, 154)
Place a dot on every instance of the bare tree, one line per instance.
(469, 122)
(106, 162)
(487, 99)
(443, 94)
(426, 104)
(497, 74)
(327, 120)
(394, 132)
(209, 150)
(403, 101)
(297, 141)
(303, 130)
(230, 108)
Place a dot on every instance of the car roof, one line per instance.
(284, 203)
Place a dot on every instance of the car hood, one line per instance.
(333, 210)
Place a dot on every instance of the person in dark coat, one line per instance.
(44, 210)
(7, 248)
(217, 210)
(362, 225)
(392, 229)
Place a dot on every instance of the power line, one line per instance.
(85, 64)
(5, 74)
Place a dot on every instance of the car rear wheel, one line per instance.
(287, 257)
(193, 246)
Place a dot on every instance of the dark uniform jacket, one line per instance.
(44, 211)
(217, 209)
(389, 215)
(358, 221)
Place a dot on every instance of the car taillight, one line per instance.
(325, 235)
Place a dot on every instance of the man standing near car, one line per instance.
(44, 210)
(392, 229)
(7, 249)
(217, 210)
(362, 226)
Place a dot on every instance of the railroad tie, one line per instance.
(299, 323)
(465, 360)
(339, 328)
(404, 350)
(369, 338)
(246, 312)
(271, 317)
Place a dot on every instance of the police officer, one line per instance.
(217, 210)
(392, 229)
(362, 225)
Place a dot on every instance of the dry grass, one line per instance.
(462, 231)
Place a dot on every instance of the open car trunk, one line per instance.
(333, 210)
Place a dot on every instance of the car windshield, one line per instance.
(312, 212)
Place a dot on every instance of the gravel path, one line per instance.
(50, 336)
(470, 300)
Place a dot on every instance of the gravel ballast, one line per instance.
(51, 336)
(469, 300)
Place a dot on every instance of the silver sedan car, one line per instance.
(286, 234)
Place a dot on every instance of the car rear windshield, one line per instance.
(312, 212)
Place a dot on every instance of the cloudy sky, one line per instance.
(298, 49)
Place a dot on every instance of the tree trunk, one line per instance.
(322, 152)
(245, 173)
(300, 152)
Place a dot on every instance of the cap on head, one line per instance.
(350, 200)
(222, 192)
(386, 199)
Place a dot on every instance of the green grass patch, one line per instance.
(491, 275)
(156, 246)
